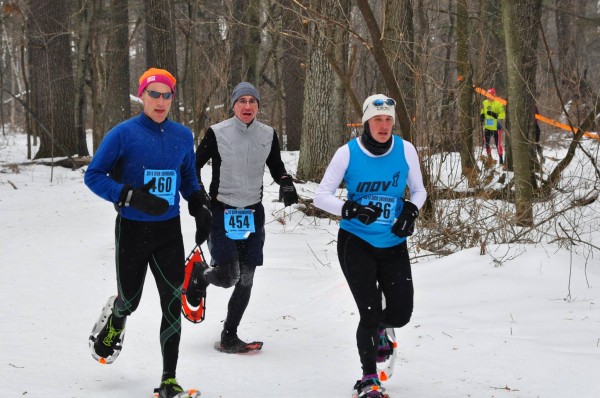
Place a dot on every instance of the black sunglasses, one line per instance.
(156, 94)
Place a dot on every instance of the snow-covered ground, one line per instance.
(528, 328)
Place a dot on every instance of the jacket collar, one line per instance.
(151, 124)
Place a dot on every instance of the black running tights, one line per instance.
(371, 271)
(159, 245)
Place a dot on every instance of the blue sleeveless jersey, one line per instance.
(381, 181)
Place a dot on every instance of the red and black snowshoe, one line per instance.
(193, 295)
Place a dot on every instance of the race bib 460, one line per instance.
(166, 183)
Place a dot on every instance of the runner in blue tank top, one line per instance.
(376, 220)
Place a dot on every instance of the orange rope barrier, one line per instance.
(564, 126)
(539, 117)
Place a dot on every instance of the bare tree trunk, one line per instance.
(520, 91)
(98, 78)
(293, 67)
(447, 114)
(324, 101)
(161, 42)
(398, 42)
(237, 34)
(386, 70)
(252, 20)
(82, 65)
(189, 81)
(245, 41)
(118, 104)
(52, 78)
(466, 92)
(565, 30)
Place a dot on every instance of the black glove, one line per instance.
(365, 214)
(492, 114)
(405, 224)
(141, 199)
(287, 191)
(199, 208)
(202, 229)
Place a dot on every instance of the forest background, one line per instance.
(71, 66)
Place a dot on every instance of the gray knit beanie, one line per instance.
(242, 89)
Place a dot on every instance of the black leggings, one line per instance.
(371, 271)
(235, 261)
(158, 244)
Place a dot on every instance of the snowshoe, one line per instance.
(193, 296)
(369, 387)
(105, 341)
(386, 355)
(241, 348)
(231, 344)
(170, 389)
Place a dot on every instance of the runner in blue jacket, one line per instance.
(142, 166)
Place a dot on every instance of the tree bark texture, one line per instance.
(118, 104)
(161, 42)
(324, 101)
(385, 68)
(51, 70)
(466, 92)
(293, 67)
(519, 18)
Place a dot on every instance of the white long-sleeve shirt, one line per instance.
(325, 198)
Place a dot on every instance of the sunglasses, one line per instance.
(251, 101)
(388, 101)
(156, 94)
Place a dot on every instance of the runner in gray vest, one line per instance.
(239, 147)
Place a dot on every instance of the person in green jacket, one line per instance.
(492, 112)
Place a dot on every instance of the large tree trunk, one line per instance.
(161, 42)
(118, 107)
(466, 92)
(521, 30)
(236, 36)
(377, 49)
(293, 66)
(98, 75)
(565, 31)
(81, 72)
(324, 100)
(244, 36)
(398, 43)
(52, 78)
(252, 20)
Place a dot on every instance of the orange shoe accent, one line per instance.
(383, 376)
(395, 344)
(102, 361)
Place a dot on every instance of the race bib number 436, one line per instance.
(386, 203)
